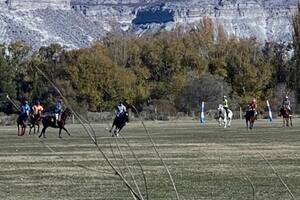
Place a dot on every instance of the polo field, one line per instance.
(205, 161)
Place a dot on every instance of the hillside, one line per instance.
(75, 23)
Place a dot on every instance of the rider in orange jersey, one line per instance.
(253, 106)
(37, 109)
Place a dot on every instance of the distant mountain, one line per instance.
(75, 23)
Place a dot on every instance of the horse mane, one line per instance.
(67, 111)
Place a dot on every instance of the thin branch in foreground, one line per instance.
(278, 176)
(90, 135)
(158, 154)
(140, 164)
(128, 168)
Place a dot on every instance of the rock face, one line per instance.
(40, 4)
(267, 20)
(75, 23)
(51, 21)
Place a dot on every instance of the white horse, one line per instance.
(223, 117)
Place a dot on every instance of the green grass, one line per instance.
(206, 162)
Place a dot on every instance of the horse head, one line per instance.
(220, 108)
(67, 113)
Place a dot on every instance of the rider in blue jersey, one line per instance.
(24, 110)
(58, 110)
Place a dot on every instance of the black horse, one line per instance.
(50, 121)
(250, 118)
(119, 123)
(21, 123)
(35, 120)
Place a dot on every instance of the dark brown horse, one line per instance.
(250, 119)
(50, 121)
(119, 123)
(21, 123)
(35, 120)
(286, 117)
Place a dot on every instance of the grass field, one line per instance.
(206, 162)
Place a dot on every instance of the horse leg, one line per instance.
(116, 131)
(121, 127)
(252, 122)
(23, 130)
(229, 122)
(30, 127)
(291, 122)
(18, 130)
(59, 132)
(66, 131)
(225, 122)
(43, 132)
(220, 121)
(38, 125)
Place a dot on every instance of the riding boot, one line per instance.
(226, 109)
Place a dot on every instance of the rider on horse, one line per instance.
(120, 110)
(24, 109)
(253, 106)
(58, 110)
(225, 105)
(286, 104)
(37, 109)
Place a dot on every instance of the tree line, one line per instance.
(179, 67)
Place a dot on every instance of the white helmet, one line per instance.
(224, 97)
(286, 97)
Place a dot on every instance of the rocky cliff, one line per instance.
(40, 4)
(75, 23)
(267, 20)
(42, 22)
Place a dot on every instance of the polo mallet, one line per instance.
(11, 101)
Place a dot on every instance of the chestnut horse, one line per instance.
(286, 117)
(50, 121)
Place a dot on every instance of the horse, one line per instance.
(50, 121)
(286, 117)
(222, 117)
(119, 123)
(21, 124)
(35, 120)
(250, 118)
